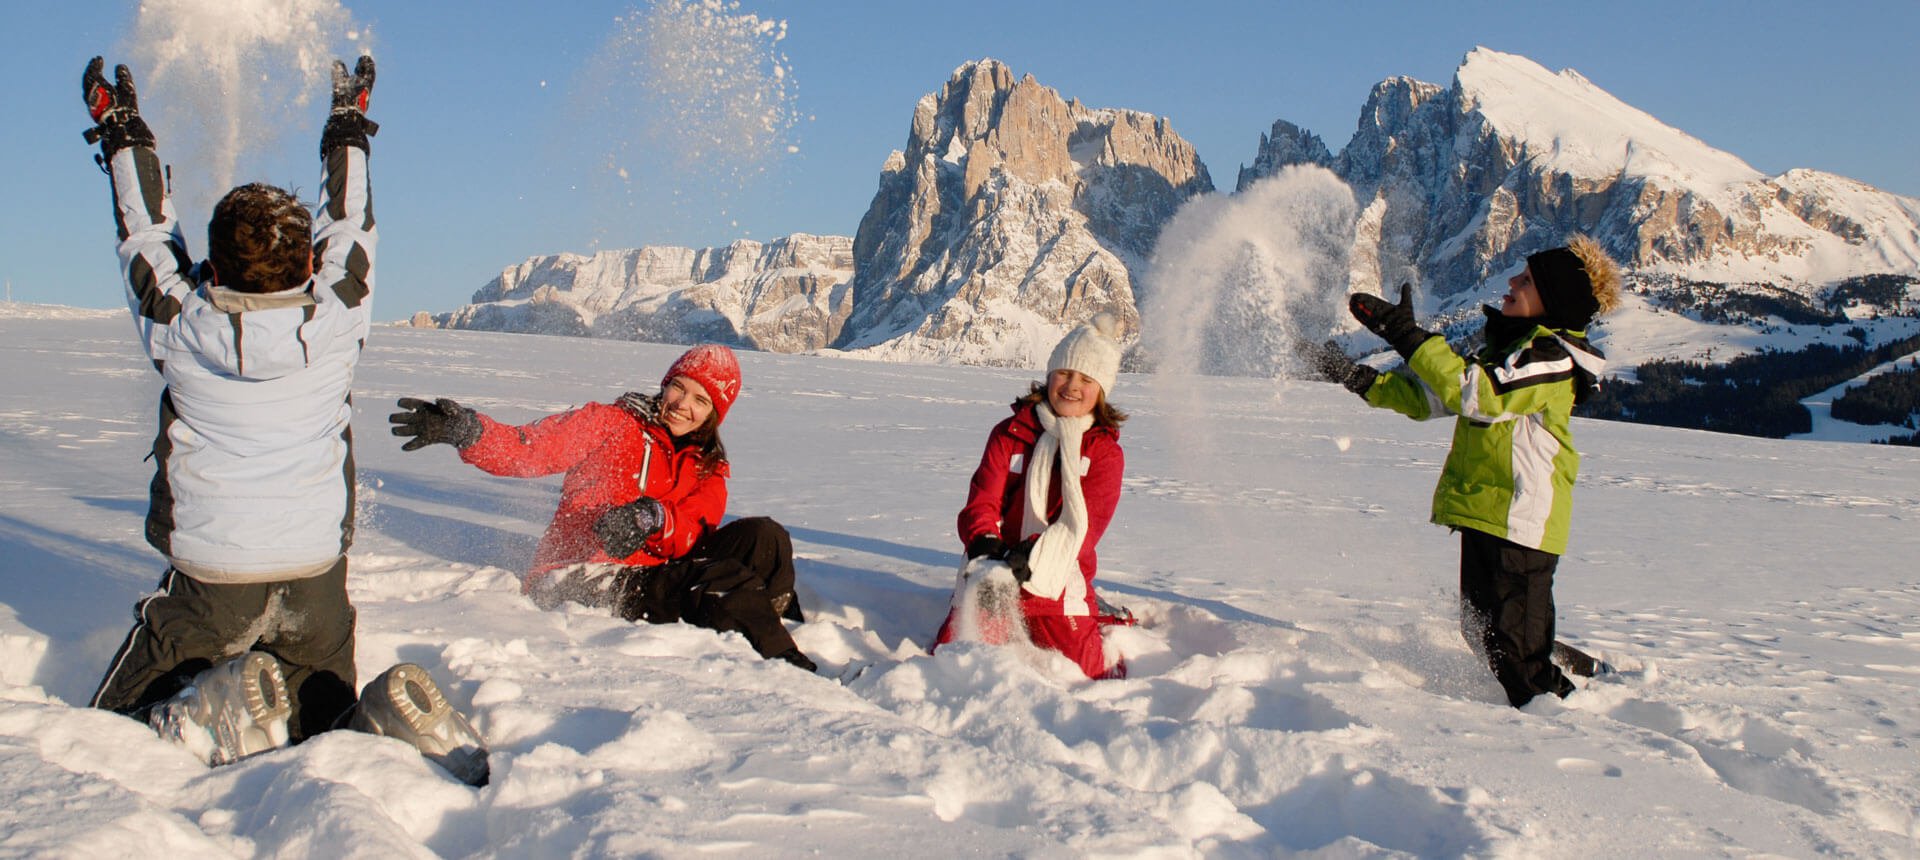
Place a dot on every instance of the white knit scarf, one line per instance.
(1056, 555)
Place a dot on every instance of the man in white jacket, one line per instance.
(252, 493)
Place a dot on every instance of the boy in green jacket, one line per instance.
(1507, 484)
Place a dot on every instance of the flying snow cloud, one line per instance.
(687, 100)
(1238, 282)
(223, 79)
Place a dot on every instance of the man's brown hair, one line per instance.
(260, 240)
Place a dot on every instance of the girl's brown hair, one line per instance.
(706, 438)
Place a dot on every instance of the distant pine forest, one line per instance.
(1760, 394)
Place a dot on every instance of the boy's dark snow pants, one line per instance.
(739, 578)
(189, 625)
(1506, 613)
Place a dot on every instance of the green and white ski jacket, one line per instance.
(1511, 469)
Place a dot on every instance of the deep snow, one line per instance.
(1298, 682)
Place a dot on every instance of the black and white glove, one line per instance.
(115, 109)
(987, 546)
(442, 421)
(348, 124)
(623, 529)
(1332, 363)
(1393, 323)
(1017, 556)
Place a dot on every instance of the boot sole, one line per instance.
(404, 703)
(234, 710)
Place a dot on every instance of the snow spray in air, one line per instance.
(221, 80)
(1237, 282)
(687, 104)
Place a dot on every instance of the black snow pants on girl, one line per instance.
(1506, 614)
(739, 578)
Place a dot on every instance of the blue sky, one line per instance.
(486, 154)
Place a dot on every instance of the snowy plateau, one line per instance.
(1015, 212)
(1298, 687)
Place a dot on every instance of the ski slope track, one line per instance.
(1299, 685)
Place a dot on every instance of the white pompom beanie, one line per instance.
(1093, 349)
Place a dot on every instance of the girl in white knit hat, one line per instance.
(1045, 490)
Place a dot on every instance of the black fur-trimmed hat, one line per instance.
(1565, 290)
(1575, 282)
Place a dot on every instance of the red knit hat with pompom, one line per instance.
(714, 367)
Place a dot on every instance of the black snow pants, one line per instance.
(189, 625)
(739, 578)
(1506, 613)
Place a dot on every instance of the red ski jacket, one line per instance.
(997, 501)
(611, 457)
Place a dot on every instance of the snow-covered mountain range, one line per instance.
(1459, 183)
(1013, 213)
(788, 295)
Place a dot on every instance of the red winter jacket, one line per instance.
(997, 499)
(611, 457)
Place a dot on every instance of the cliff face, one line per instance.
(1012, 215)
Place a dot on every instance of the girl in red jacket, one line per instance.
(638, 527)
(1045, 491)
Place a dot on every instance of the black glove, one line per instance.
(1334, 365)
(348, 124)
(115, 109)
(623, 529)
(442, 420)
(987, 546)
(1017, 556)
(1393, 323)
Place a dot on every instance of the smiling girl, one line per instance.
(638, 526)
(1045, 491)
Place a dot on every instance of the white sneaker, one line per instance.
(231, 711)
(405, 703)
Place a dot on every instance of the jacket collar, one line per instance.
(229, 301)
(1505, 333)
(644, 409)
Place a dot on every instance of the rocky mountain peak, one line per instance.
(1011, 215)
(1286, 144)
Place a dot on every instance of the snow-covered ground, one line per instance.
(1298, 685)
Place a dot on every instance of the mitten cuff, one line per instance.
(1407, 341)
(347, 128)
(1361, 379)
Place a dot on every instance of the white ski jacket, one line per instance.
(253, 459)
